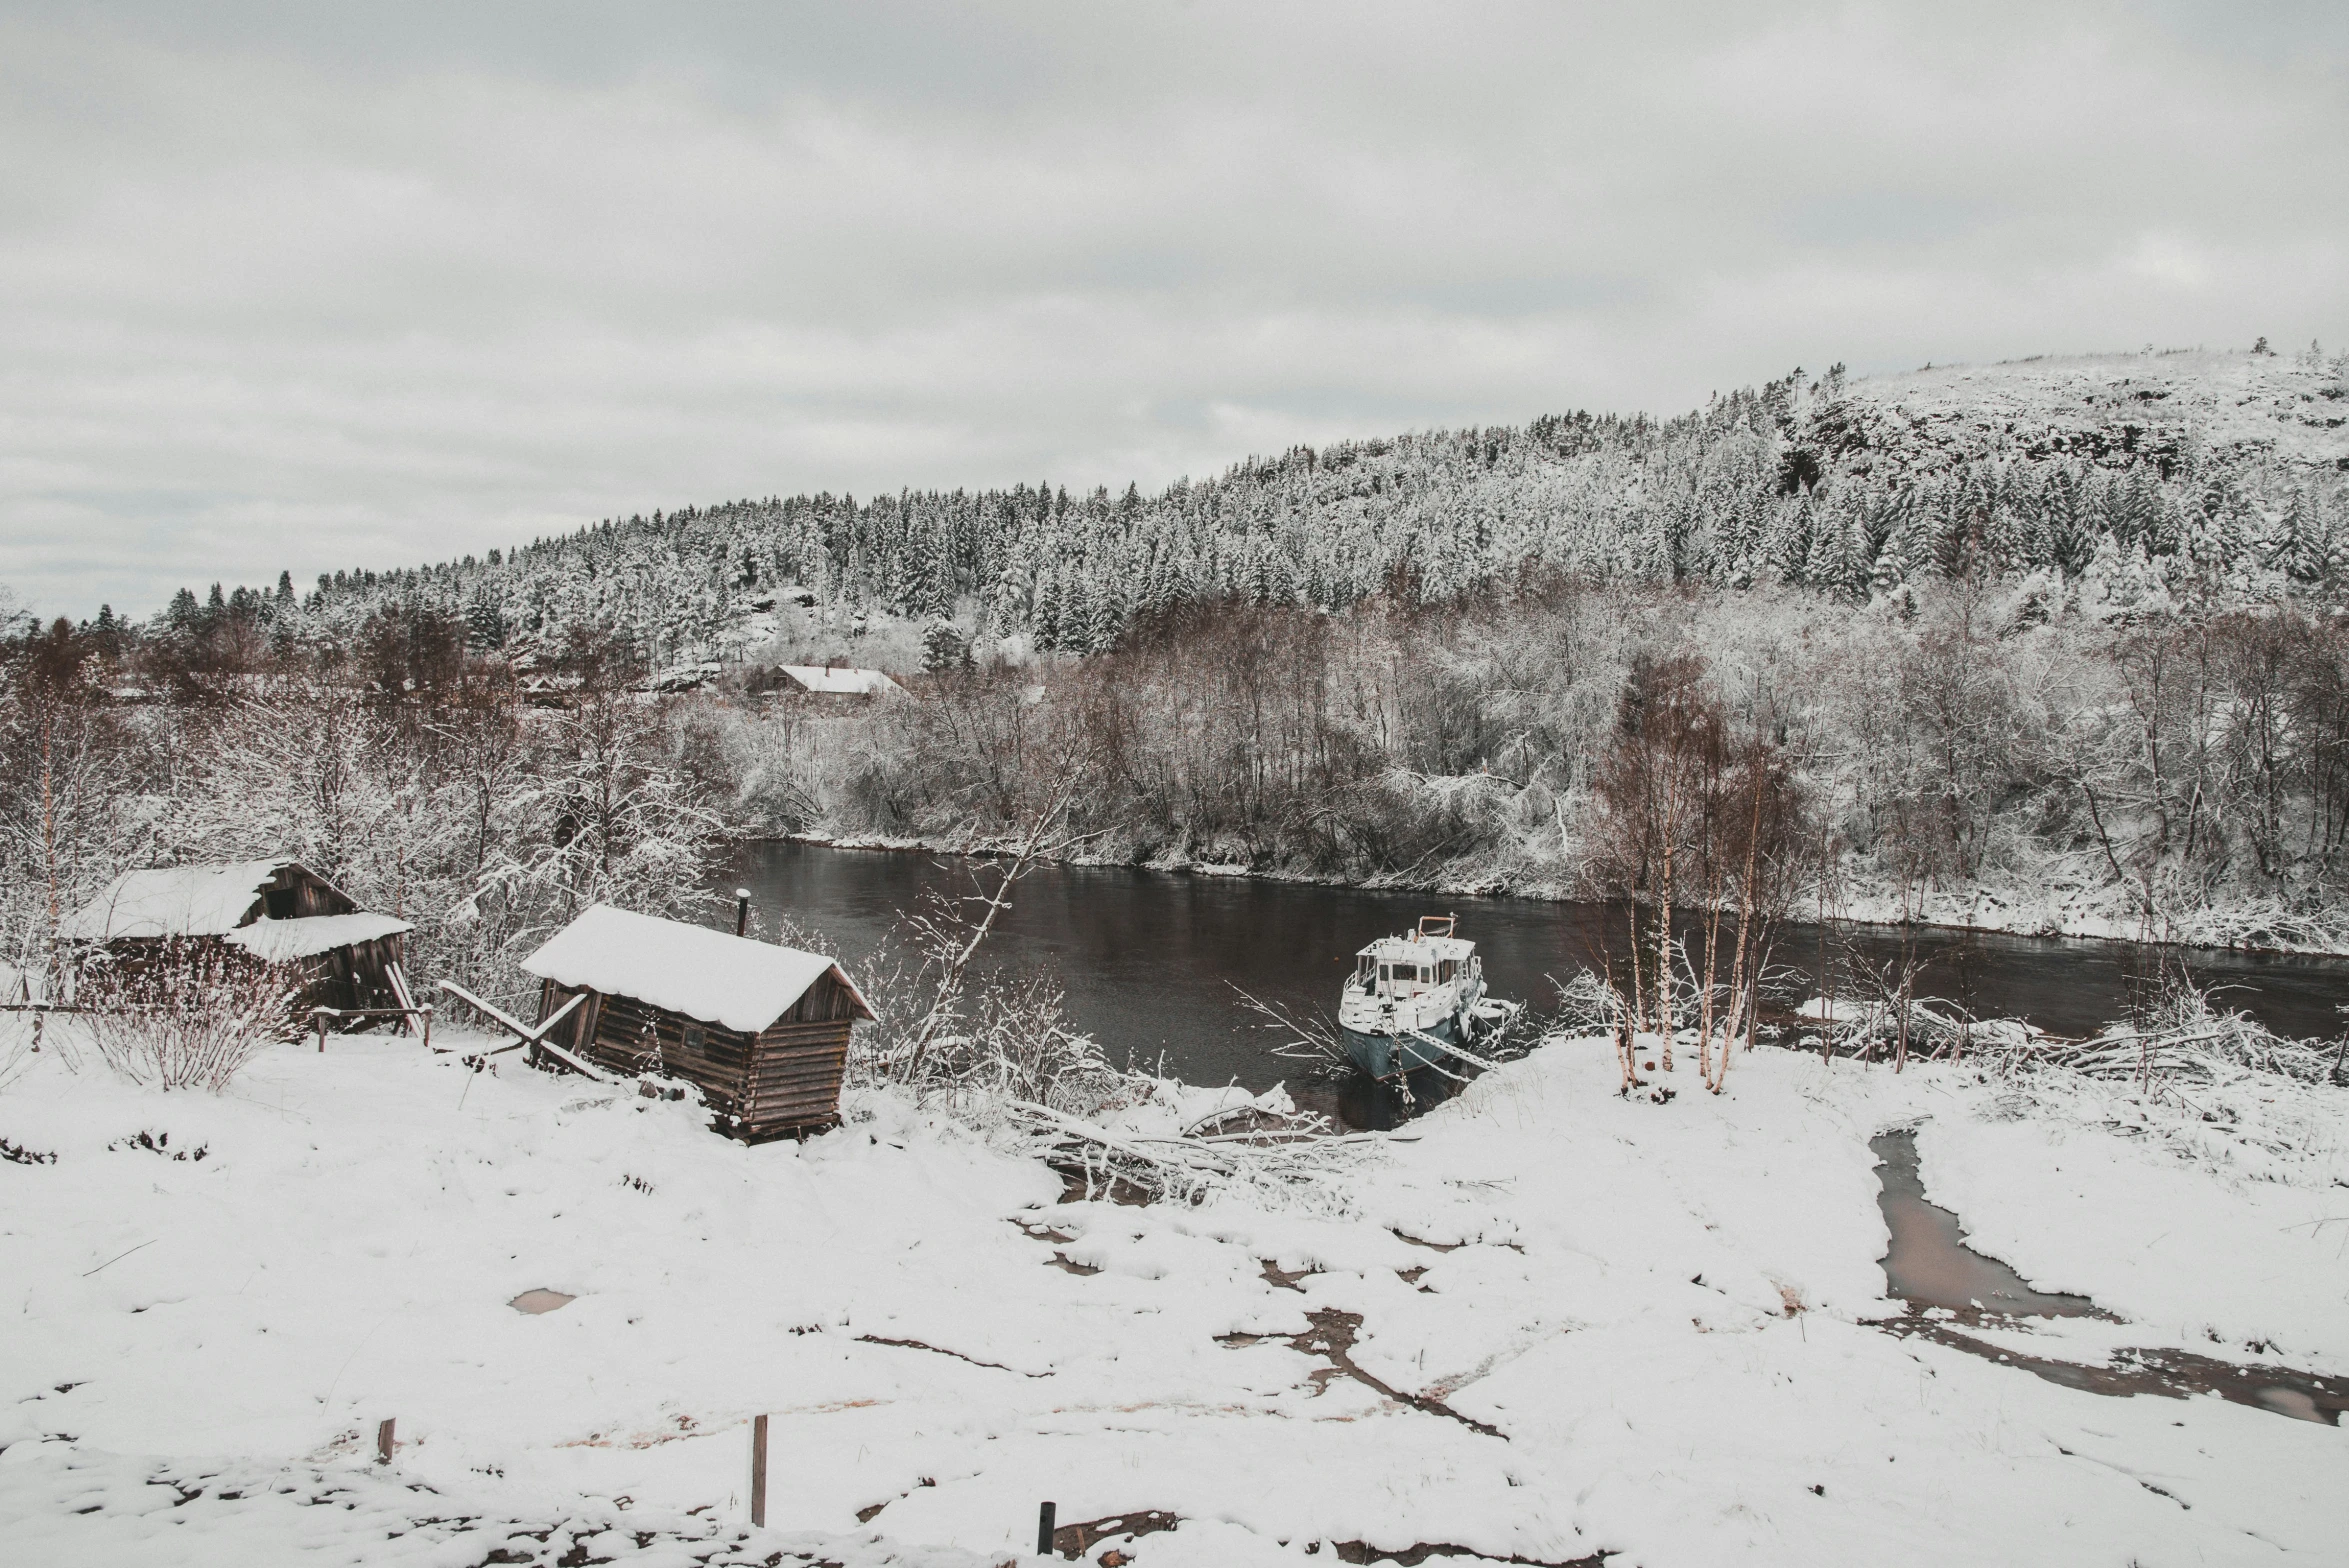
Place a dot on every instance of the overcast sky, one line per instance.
(317, 286)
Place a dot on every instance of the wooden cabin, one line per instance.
(277, 910)
(761, 1030)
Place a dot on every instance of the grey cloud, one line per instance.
(315, 287)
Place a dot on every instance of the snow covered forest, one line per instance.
(2052, 645)
(2172, 479)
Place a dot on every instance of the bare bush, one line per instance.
(1009, 1041)
(972, 1046)
(190, 1016)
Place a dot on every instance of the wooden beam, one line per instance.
(529, 1036)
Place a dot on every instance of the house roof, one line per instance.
(174, 901)
(282, 941)
(710, 975)
(841, 680)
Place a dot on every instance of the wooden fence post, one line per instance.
(383, 1440)
(758, 1470)
(1044, 1516)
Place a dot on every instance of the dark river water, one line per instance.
(1149, 959)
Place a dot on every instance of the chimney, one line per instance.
(741, 910)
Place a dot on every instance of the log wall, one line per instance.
(785, 1079)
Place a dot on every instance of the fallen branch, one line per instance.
(1291, 1161)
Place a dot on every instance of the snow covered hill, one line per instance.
(2228, 467)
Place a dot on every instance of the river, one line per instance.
(1150, 959)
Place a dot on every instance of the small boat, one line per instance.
(1412, 1000)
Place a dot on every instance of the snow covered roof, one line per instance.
(842, 680)
(715, 976)
(281, 941)
(174, 901)
(684, 677)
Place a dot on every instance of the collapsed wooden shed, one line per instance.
(761, 1030)
(277, 910)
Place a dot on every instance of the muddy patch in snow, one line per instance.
(1950, 1288)
(940, 1350)
(1330, 1337)
(1059, 1260)
(2171, 1374)
(535, 1302)
(1930, 1264)
(1073, 1541)
(1413, 1556)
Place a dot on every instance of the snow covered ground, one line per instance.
(1544, 1322)
(2288, 405)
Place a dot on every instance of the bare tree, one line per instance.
(1660, 789)
(955, 942)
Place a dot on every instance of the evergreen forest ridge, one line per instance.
(2162, 474)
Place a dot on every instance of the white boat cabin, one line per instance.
(1424, 981)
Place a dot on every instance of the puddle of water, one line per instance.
(1930, 1266)
(2291, 1402)
(537, 1301)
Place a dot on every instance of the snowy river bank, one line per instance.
(1544, 1322)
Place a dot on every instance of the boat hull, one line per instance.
(1389, 1056)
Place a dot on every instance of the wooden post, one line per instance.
(741, 911)
(758, 1470)
(383, 1440)
(1044, 1529)
(428, 1026)
(318, 1017)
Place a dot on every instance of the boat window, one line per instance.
(1447, 971)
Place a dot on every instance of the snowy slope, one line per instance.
(2110, 407)
(1609, 1324)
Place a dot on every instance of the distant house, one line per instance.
(761, 1030)
(277, 910)
(841, 680)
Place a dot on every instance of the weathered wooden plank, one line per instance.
(812, 1083)
(777, 1083)
(786, 1078)
(798, 1067)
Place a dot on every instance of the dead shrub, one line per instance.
(189, 1015)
